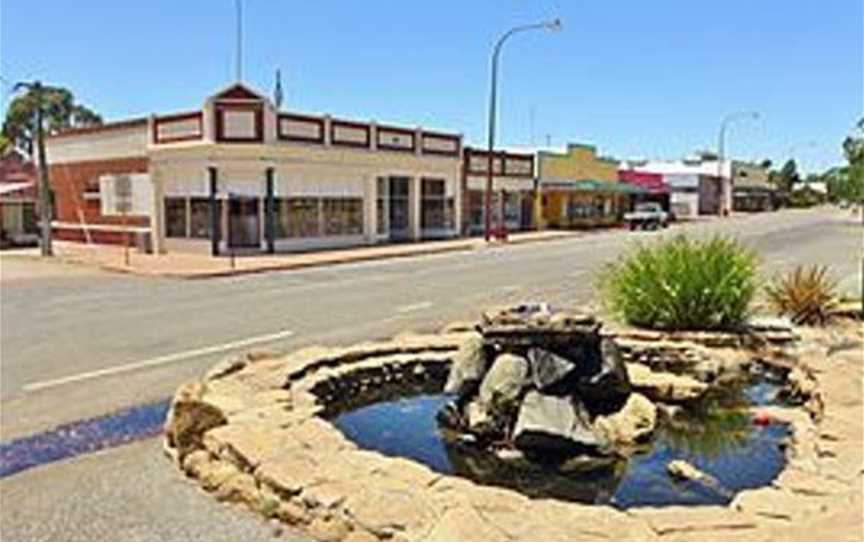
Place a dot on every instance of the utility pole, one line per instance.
(38, 92)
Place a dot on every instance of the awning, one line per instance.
(590, 185)
(8, 188)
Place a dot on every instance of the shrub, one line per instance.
(807, 295)
(682, 283)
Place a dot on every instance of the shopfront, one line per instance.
(512, 195)
(238, 176)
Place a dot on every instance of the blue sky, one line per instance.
(636, 78)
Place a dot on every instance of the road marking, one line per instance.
(154, 362)
(414, 307)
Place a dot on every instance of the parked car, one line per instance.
(647, 216)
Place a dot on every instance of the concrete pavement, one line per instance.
(78, 343)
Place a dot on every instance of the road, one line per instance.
(77, 343)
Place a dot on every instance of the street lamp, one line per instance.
(727, 187)
(552, 25)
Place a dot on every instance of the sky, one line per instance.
(638, 79)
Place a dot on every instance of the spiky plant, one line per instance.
(682, 283)
(807, 294)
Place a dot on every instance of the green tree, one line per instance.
(847, 183)
(60, 112)
(786, 178)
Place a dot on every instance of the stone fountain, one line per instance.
(546, 384)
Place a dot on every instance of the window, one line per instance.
(175, 217)
(437, 208)
(199, 218)
(297, 217)
(512, 207)
(342, 216)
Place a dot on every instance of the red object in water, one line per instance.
(761, 418)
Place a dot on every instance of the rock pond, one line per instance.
(717, 436)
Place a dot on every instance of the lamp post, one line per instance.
(553, 25)
(726, 204)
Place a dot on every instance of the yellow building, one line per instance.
(578, 188)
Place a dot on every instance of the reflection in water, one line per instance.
(715, 435)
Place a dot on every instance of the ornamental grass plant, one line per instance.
(807, 295)
(682, 284)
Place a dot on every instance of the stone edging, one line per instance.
(250, 433)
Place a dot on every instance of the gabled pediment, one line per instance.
(238, 91)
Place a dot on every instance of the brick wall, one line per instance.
(70, 180)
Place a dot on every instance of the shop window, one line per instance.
(512, 207)
(199, 218)
(297, 217)
(436, 208)
(175, 217)
(342, 216)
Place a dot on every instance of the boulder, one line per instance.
(549, 370)
(610, 382)
(468, 367)
(634, 423)
(554, 424)
(188, 419)
(503, 384)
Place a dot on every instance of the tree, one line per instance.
(786, 178)
(59, 109)
(853, 145)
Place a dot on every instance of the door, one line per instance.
(244, 222)
(400, 209)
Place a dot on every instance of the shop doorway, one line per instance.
(399, 212)
(244, 222)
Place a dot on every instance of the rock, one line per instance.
(553, 424)
(683, 470)
(480, 421)
(385, 511)
(238, 488)
(611, 381)
(632, 424)
(664, 387)
(213, 474)
(800, 385)
(361, 536)
(449, 416)
(503, 384)
(328, 529)
(468, 368)
(770, 323)
(292, 514)
(548, 369)
(188, 419)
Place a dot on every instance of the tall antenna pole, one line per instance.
(239, 4)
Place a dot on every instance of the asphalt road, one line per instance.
(78, 343)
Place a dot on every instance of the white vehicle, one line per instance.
(648, 216)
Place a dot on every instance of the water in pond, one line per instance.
(717, 436)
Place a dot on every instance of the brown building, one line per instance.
(513, 190)
(17, 200)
